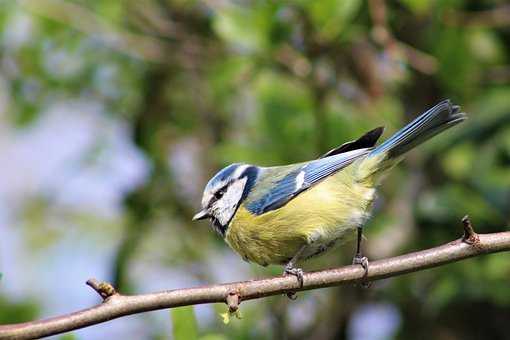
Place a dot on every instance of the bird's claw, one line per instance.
(363, 262)
(297, 272)
(292, 295)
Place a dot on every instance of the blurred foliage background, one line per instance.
(114, 114)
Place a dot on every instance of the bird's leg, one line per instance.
(358, 257)
(292, 270)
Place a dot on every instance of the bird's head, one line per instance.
(224, 193)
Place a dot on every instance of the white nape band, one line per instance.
(240, 169)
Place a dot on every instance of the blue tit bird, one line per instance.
(286, 214)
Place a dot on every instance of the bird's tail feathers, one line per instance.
(442, 116)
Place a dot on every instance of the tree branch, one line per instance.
(116, 305)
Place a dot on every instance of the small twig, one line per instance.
(470, 236)
(102, 288)
(233, 300)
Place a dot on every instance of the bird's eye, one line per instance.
(219, 194)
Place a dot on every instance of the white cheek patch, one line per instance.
(225, 208)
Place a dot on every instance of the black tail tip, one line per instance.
(455, 113)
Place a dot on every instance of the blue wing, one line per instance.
(301, 178)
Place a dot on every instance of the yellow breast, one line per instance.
(326, 212)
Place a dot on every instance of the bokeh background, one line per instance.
(114, 114)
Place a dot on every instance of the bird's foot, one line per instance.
(291, 295)
(297, 272)
(363, 261)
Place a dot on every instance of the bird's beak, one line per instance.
(202, 214)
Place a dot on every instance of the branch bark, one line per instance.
(116, 305)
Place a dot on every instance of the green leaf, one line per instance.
(458, 161)
(418, 6)
(214, 337)
(14, 311)
(457, 71)
(245, 28)
(286, 116)
(486, 46)
(184, 323)
(331, 17)
(68, 336)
